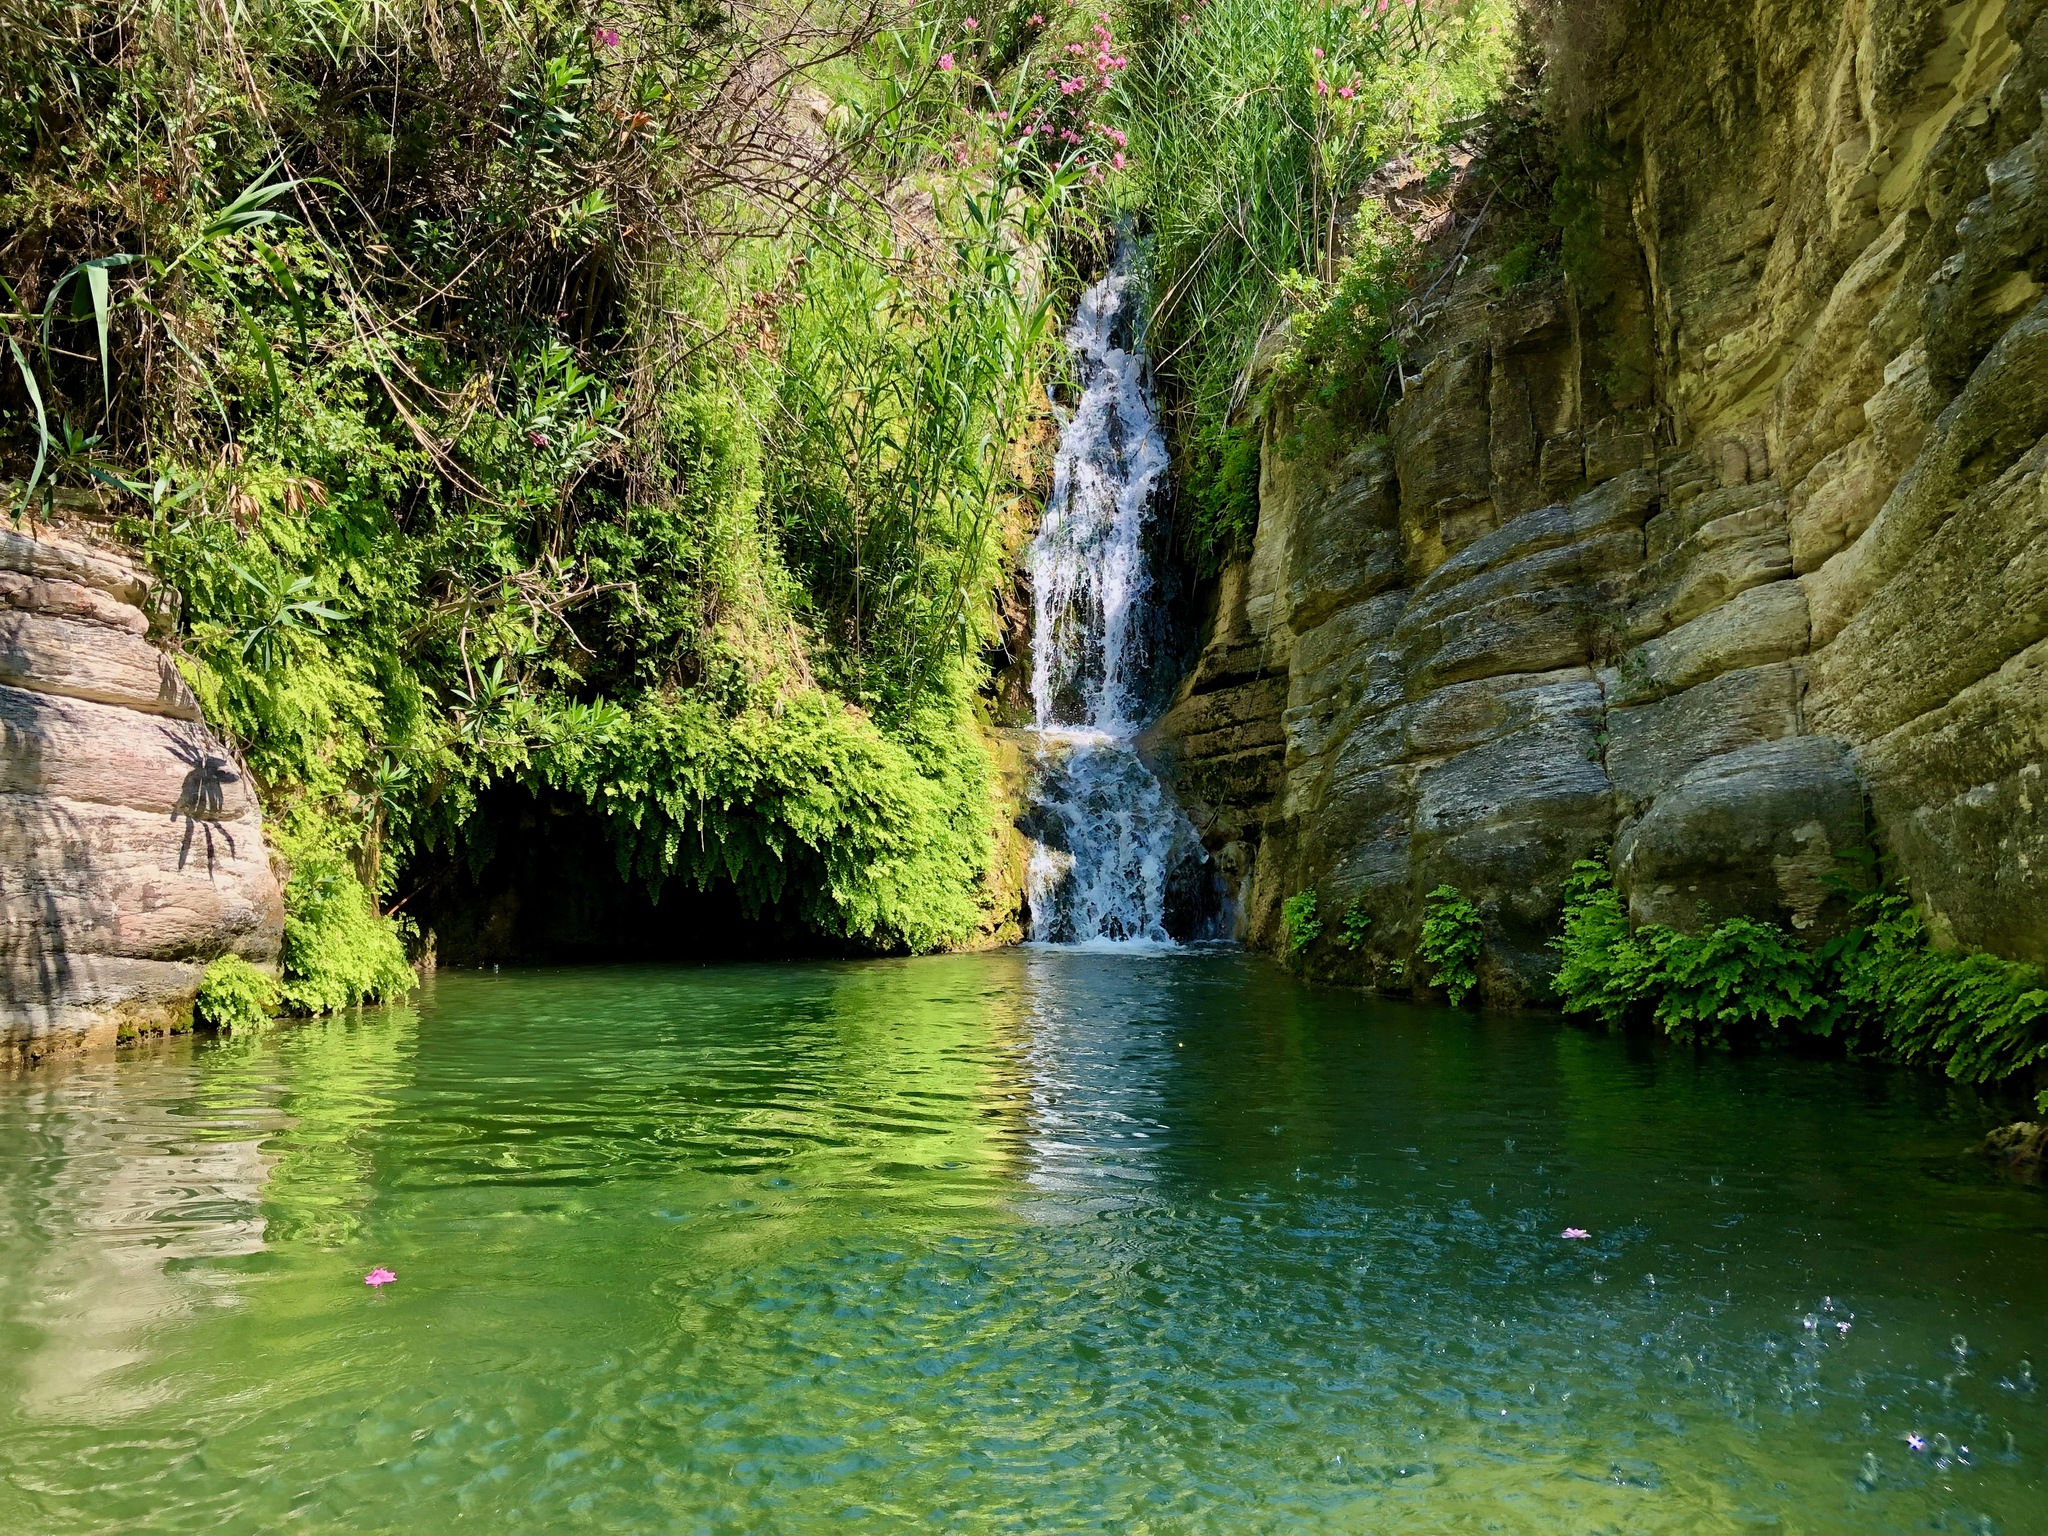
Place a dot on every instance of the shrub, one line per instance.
(1299, 925)
(1451, 938)
(233, 994)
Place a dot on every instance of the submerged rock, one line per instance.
(2020, 1149)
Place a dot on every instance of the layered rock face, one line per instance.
(131, 849)
(1726, 551)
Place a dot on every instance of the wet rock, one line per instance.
(2020, 1150)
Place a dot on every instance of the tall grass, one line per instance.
(1255, 124)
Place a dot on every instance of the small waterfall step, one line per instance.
(1112, 844)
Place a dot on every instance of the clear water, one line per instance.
(1109, 835)
(1034, 1241)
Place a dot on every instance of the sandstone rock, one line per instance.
(1763, 625)
(131, 847)
(1802, 358)
(1652, 746)
(1755, 832)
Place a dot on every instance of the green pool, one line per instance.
(1033, 1241)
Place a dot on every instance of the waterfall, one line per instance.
(1111, 840)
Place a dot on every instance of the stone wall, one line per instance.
(131, 848)
(1727, 550)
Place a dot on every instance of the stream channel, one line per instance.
(1034, 1241)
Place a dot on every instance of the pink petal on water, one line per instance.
(379, 1276)
(1576, 1232)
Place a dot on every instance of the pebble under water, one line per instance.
(1028, 1241)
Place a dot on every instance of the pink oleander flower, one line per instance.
(379, 1276)
(1345, 91)
(945, 63)
(1322, 87)
(970, 23)
(1576, 1233)
(1117, 160)
(1037, 20)
(1317, 52)
(607, 38)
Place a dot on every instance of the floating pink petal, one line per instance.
(379, 1276)
(1576, 1232)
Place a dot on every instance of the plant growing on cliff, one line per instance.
(1452, 935)
(235, 995)
(1357, 923)
(624, 404)
(1299, 925)
(1883, 984)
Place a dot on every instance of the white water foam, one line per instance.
(1110, 835)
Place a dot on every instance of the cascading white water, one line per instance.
(1109, 834)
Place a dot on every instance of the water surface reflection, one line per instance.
(1027, 1241)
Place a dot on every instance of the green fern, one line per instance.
(235, 995)
(1883, 984)
(1299, 925)
(1357, 923)
(1452, 934)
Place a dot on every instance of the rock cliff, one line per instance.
(1726, 549)
(131, 848)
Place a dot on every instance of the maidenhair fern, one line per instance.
(235, 995)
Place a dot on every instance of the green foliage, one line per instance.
(1740, 973)
(1299, 925)
(1525, 262)
(1452, 935)
(1357, 923)
(234, 995)
(1254, 124)
(523, 394)
(1979, 1017)
(338, 953)
(1883, 984)
(878, 837)
(1220, 479)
